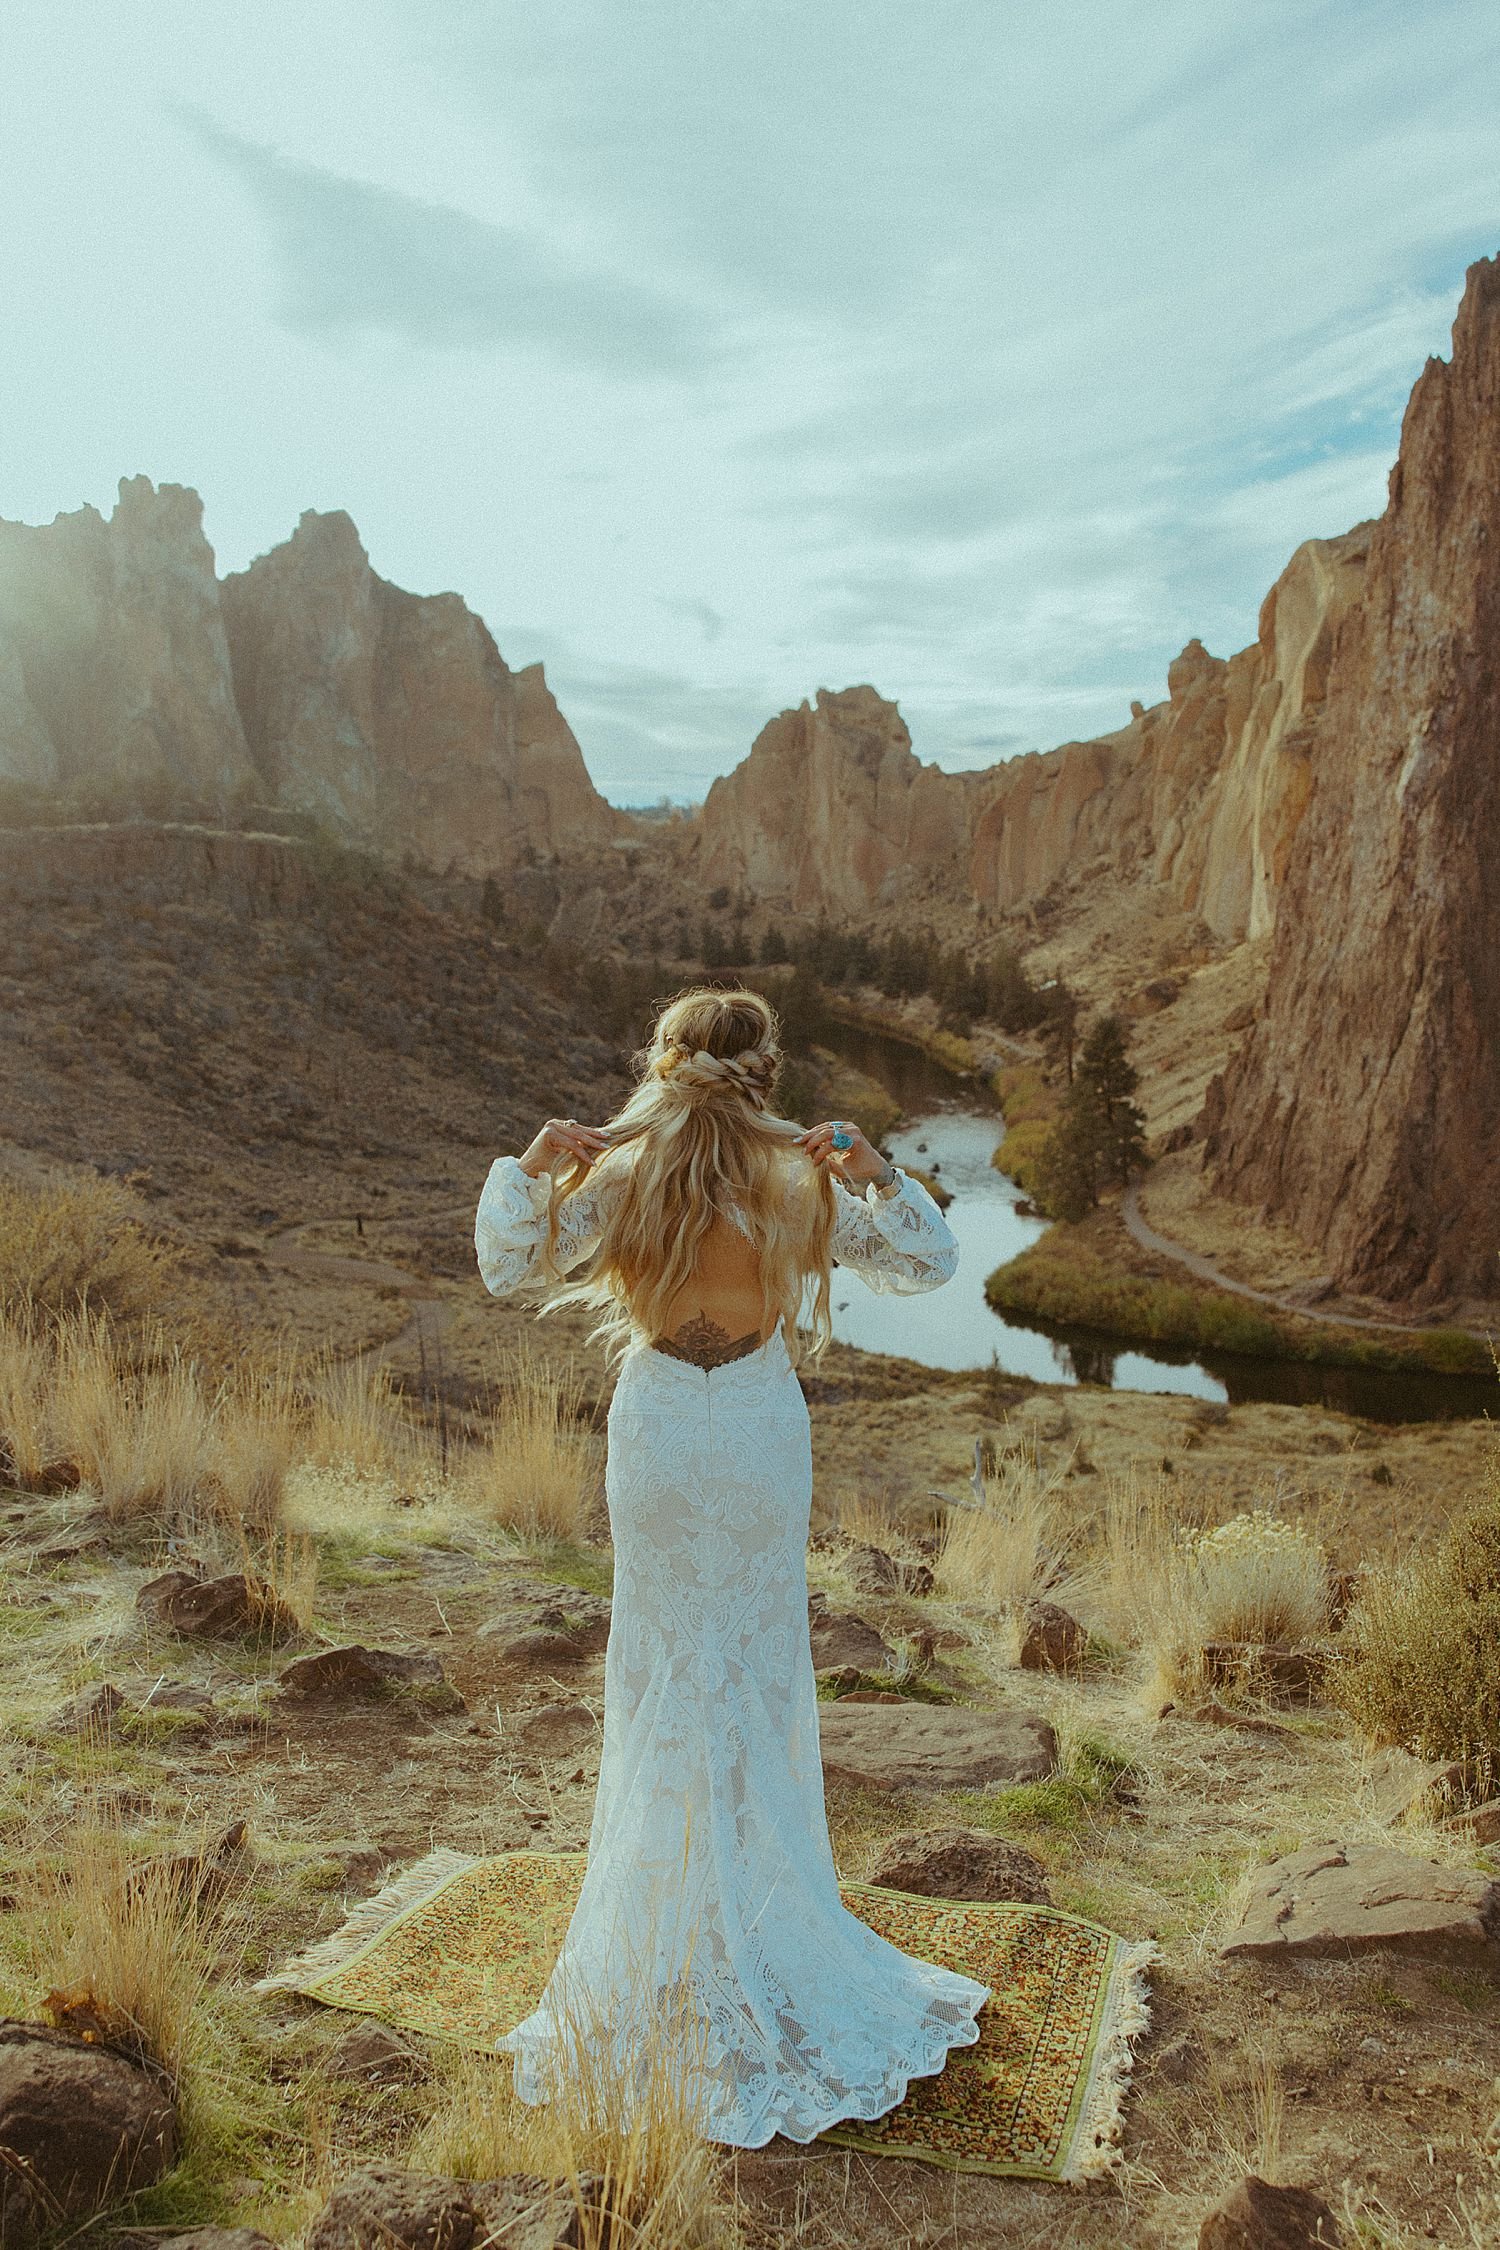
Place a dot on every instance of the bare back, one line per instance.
(717, 1314)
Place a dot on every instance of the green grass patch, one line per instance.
(1094, 1776)
(1081, 1277)
(590, 1569)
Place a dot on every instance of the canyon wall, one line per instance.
(132, 680)
(393, 716)
(114, 671)
(1364, 1104)
(832, 812)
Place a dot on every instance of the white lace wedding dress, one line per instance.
(710, 1885)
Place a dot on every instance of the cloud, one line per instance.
(356, 258)
(702, 614)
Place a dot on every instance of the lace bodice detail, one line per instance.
(899, 1244)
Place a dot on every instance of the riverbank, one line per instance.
(1095, 1276)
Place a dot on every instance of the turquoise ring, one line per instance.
(841, 1139)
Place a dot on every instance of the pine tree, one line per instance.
(1071, 1162)
(1105, 1065)
(1060, 1024)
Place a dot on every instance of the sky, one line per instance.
(717, 353)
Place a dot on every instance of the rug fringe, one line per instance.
(369, 1920)
(1096, 2144)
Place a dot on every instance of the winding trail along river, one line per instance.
(950, 1130)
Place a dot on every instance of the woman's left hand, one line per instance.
(859, 1163)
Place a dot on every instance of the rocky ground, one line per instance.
(1365, 2070)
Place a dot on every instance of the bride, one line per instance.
(710, 1893)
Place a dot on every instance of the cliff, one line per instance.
(132, 680)
(833, 812)
(1363, 1105)
(114, 672)
(393, 716)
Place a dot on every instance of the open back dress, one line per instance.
(710, 1898)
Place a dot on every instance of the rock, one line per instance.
(1401, 1784)
(1377, 1009)
(870, 1695)
(546, 1624)
(1257, 2216)
(377, 2055)
(393, 715)
(1271, 1667)
(179, 1695)
(94, 1711)
(1051, 1639)
(841, 1637)
(356, 1671)
(232, 1606)
(546, 1648)
(870, 1570)
(383, 2208)
(198, 1876)
(214, 2238)
(1480, 1823)
(80, 2125)
(838, 1679)
(960, 1863)
(927, 1746)
(112, 646)
(1338, 1899)
(554, 1730)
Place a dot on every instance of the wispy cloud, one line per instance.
(358, 257)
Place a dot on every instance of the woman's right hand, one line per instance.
(560, 1137)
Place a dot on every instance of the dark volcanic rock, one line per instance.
(960, 1863)
(1257, 2216)
(927, 1746)
(80, 2125)
(1349, 1898)
(231, 1606)
(357, 1671)
(1052, 1640)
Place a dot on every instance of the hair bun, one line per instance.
(749, 1073)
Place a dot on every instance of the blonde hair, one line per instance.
(698, 1134)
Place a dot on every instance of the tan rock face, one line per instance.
(114, 673)
(393, 716)
(1362, 1106)
(832, 811)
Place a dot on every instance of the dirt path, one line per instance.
(1206, 1270)
(430, 1313)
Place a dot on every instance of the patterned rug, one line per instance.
(459, 1948)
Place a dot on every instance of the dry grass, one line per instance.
(632, 2117)
(82, 1243)
(535, 1477)
(1424, 1663)
(356, 1418)
(1023, 1544)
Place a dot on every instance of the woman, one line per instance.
(710, 1889)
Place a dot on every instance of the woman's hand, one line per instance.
(859, 1163)
(560, 1137)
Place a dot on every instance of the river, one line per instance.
(951, 1130)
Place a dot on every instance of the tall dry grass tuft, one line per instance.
(1018, 1546)
(1172, 1589)
(356, 1419)
(83, 1243)
(1422, 1661)
(536, 1474)
(26, 1359)
(631, 2116)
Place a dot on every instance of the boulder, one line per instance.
(1480, 1823)
(1052, 1640)
(928, 1746)
(1334, 1899)
(841, 1637)
(1256, 2216)
(197, 1876)
(384, 2208)
(1401, 1784)
(356, 1671)
(870, 1570)
(94, 1711)
(81, 2126)
(378, 2056)
(214, 2238)
(231, 1606)
(1271, 1667)
(960, 1863)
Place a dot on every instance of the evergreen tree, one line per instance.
(492, 903)
(1070, 1164)
(1104, 1064)
(1060, 1023)
(773, 948)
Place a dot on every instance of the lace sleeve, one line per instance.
(900, 1244)
(510, 1226)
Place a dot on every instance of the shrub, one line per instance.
(1256, 1578)
(1422, 1667)
(536, 1474)
(81, 1242)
